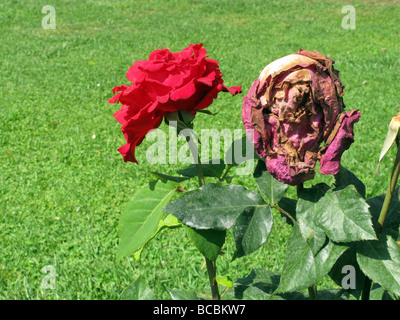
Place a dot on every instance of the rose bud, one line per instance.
(391, 136)
(293, 114)
(167, 82)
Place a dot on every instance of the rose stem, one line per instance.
(230, 166)
(367, 288)
(211, 266)
(300, 188)
(196, 158)
(284, 212)
(382, 216)
(312, 290)
(212, 276)
(389, 194)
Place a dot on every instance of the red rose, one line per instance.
(166, 82)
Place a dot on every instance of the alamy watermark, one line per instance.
(349, 280)
(349, 20)
(165, 151)
(49, 280)
(49, 20)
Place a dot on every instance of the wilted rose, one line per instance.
(294, 116)
(166, 82)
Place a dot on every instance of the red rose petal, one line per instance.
(184, 92)
(233, 90)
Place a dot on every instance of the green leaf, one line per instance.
(170, 221)
(326, 258)
(391, 136)
(207, 112)
(186, 117)
(169, 178)
(345, 178)
(255, 293)
(208, 242)
(307, 213)
(289, 205)
(138, 253)
(240, 151)
(337, 272)
(267, 184)
(140, 219)
(392, 221)
(261, 284)
(182, 294)
(344, 216)
(214, 206)
(214, 168)
(380, 261)
(264, 279)
(138, 291)
(301, 268)
(224, 281)
(252, 229)
(378, 293)
(331, 294)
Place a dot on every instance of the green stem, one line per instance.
(389, 194)
(299, 188)
(312, 291)
(383, 214)
(212, 276)
(367, 288)
(196, 158)
(230, 166)
(200, 174)
(339, 294)
(275, 206)
(211, 265)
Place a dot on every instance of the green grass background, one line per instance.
(62, 192)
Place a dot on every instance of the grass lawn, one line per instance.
(63, 184)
